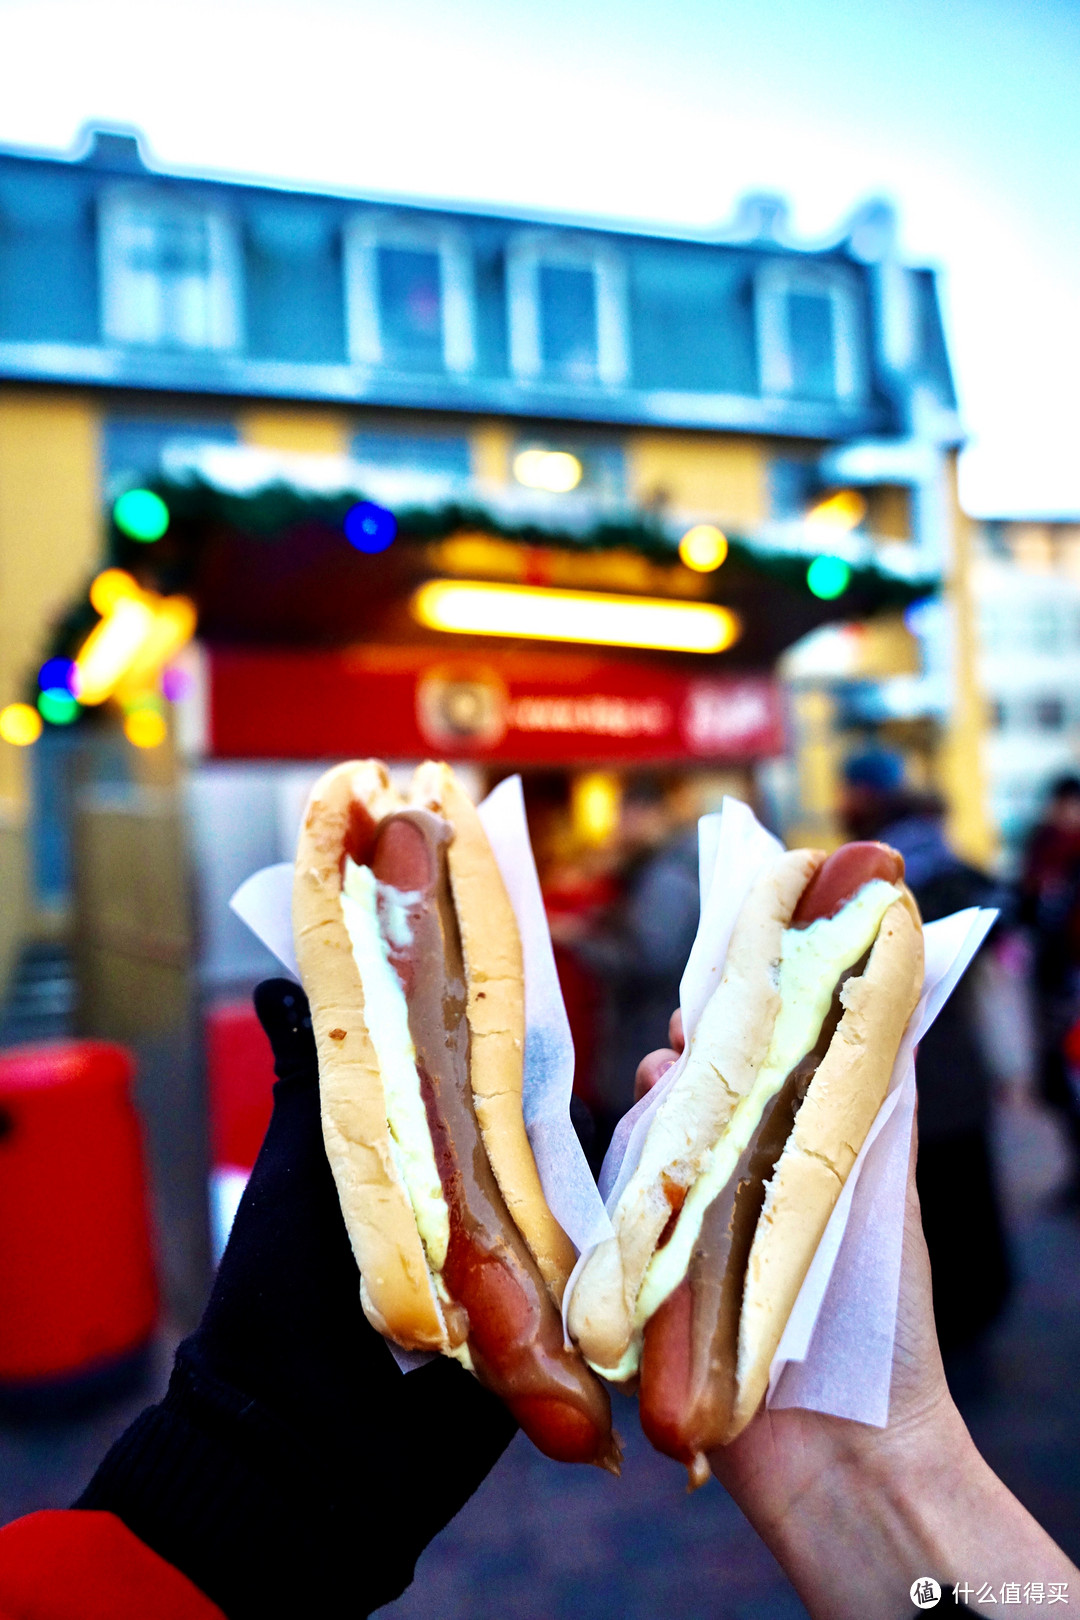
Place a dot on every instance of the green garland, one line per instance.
(273, 510)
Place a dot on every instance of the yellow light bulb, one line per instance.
(20, 725)
(174, 623)
(594, 806)
(845, 510)
(703, 548)
(145, 728)
(110, 648)
(111, 587)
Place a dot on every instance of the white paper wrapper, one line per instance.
(565, 1176)
(836, 1352)
(264, 903)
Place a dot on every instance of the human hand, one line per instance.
(323, 1469)
(855, 1513)
(653, 1067)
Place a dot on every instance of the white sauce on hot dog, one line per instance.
(812, 960)
(388, 1026)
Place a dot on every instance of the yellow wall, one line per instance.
(50, 537)
(50, 543)
(723, 478)
(963, 775)
(294, 429)
(816, 743)
(490, 444)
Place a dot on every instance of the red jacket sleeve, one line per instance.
(89, 1566)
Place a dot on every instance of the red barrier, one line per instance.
(76, 1269)
(240, 1080)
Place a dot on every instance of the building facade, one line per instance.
(1026, 583)
(799, 397)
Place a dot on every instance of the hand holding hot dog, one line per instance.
(409, 950)
(854, 1513)
(743, 1160)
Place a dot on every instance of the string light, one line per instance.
(845, 510)
(594, 806)
(703, 548)
(20, 725)
(56, 672)
(110, 648)
(138, 634)
(173, 626)
(141, 515)
(57, 706)
(369, 528)
(110, 587)
(828, 577)
(145, 728)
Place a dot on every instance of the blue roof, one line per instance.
(685, 319)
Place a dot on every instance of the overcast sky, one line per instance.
(965, 112)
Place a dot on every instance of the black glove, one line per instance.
(292, 1468)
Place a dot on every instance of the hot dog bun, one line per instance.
(398, 1291)
(830, 1127)
(399, 1294)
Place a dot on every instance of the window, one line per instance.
(409, 292)
(169, 272)
(410, 307)
(567, 301)
(135, 446)
(443, 454)
(792, 486)
(809, 342)
(569, 339)
(1045, 628)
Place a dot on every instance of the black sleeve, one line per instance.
(291, 1467)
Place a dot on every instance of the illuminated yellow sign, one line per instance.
(591, 617)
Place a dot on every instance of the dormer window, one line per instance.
(169, 272)
(567, 303)
(409, 292)
(808, 332)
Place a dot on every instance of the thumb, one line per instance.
(283, 1011)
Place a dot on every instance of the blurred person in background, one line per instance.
(957, 1182)
(638, 945)
(1050, 909)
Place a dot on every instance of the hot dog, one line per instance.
(410, 955)
(746, 1155)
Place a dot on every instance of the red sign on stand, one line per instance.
(517, 708)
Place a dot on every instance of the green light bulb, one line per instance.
(828, 577)
(141, 515)
(57, 706)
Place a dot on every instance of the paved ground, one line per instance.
(545, 1543)
(542, 1543)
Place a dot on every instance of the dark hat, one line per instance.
(876, 768)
